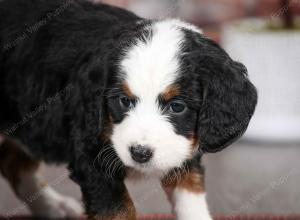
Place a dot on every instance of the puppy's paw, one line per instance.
(51, 204)
(190, 206)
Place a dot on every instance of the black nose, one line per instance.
(141, 154)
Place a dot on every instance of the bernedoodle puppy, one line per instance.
(113, 96)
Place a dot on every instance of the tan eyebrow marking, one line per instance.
(171, 92)
(127, 90)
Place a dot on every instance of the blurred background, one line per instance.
(260, 174)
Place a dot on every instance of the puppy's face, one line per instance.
(156, 101)
(154, 128)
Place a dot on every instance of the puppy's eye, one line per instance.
(126, 102)
(177, 107)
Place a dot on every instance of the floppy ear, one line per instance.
(229, 99)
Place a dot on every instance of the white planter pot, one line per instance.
(273, 62)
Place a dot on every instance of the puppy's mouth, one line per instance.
(145, 170)
(152, 160)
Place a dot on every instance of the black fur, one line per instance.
(58, 63)
(53, 84)
(219, 89)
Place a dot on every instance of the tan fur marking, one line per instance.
(195, 141)
(192, 181)
(127, 90)
(14, 162)
(171, 92)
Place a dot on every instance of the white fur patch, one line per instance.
(149, 68)
(190, 206)
(44, 201)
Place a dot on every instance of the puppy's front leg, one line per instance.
(185, 189)
(105, 198)
(124, 211)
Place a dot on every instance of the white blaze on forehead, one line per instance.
(151, 66)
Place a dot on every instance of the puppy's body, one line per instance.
(42, 68)
(109, 93)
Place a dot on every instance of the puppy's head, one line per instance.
(176, 92)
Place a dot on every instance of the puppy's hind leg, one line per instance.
(22, 172)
